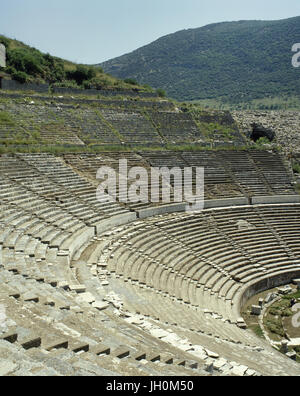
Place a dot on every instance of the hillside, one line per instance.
(29, 65)
(232, 61)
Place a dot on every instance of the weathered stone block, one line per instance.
(2, 55)
(256, 310)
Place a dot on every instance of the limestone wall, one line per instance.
(276, 199)
(181, 207)
(221, 203)
(115, 221)
(154, 211)
(278, 279)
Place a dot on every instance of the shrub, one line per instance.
(262, 141)
(130, 81)
(27, 61)
(87, 84)
(296, 168)
(81, 74)
(161, 93)
(147, 87)
(20, 76)
(98, 83)
(67, 84)
(54, 69)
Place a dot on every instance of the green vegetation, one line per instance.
(262, 141)
(258, 331)
(245, 63)
(6, 119)
(22, 129)
(161, 93)
(252, 322)
(130, 81)
(296, 168)
(213, 124)
(278, 316)
(28, 65)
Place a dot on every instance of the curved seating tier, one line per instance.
(188, 270)
(203, 259)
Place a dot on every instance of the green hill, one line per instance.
(232, 61)
(28, 65)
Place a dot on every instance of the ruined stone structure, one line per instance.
(97, 288)
(2, 55)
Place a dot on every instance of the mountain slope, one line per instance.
(234, 60)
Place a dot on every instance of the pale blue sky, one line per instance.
(93, 31)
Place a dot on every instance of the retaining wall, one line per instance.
(12, 85)
(277, 279)
(158, 210)
(115, 221)
(226, 202)
(219, 203)
(275, 199)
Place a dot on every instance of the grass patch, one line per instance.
(277, 318)
(257, 330)
(6, 119)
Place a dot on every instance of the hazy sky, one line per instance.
(93, 31)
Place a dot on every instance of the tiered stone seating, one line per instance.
(258, 241)
(133, 126)
(83, 295)
(72, 184)
(90, 163)
(204, 259)
(273, 170)
(43, 121)
(223, 129)
(168, 159)
(218, 181)
(93, 128)
(243, 170)
(176, 127)
(195, 265)
(252, 173)
(284, 219)
(58, 271)
(36, 278)
(227, 174)
(82, 349)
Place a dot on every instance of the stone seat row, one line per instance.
(151, 257)
(44, 299)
